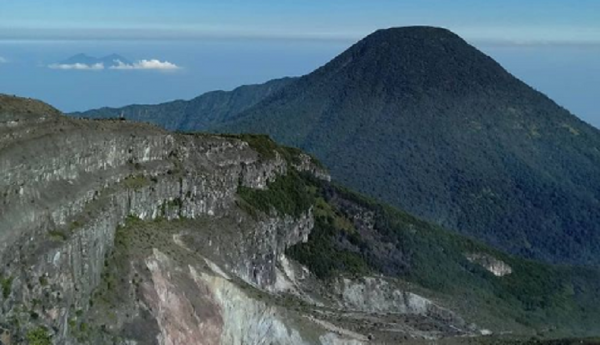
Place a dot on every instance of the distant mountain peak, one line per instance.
(417, 30)
(81, 56)
(85, 59)
(411, 60)
(115, 57)
(398, 37)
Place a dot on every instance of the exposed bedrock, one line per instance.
(114, 232)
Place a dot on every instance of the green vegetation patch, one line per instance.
(267, 148)
(136, 181)
(80, 330)
(262, 144)
(116, 266)
(39, 336)
(354, 235)
(58, 235)
(6, 285)
(288, 194)
(323, 256)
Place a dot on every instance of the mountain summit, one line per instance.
(404, 63)
(419, 118)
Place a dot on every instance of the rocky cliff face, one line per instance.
(113, 232)
(490, 263)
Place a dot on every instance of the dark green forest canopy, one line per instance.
(356, 236)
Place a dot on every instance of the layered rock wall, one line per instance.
(67, 185)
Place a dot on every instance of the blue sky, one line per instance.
(508, 21)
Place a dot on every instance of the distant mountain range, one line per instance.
(107, 61)
(420, 119)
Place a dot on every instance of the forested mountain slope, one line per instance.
(201, 112)
(420, 119)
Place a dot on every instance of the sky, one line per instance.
(179, 49)
(539, 21)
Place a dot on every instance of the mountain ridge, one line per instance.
(199, 112)
(107, 61)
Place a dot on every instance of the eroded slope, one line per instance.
(114, 232)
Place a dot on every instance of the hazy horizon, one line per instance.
(568, 74)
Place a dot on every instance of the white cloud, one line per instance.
(3, 60)
(78, 66)
(152, 64)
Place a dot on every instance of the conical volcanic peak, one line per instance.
(413, 60)
(421, 119)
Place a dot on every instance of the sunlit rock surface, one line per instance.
(497, 267)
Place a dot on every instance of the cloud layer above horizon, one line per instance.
(77, 66)
(151, 64)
